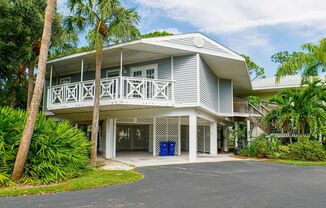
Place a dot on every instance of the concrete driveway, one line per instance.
(224, 184)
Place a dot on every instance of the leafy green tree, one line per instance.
(156, 34)
(108, 19)
(255, 71)
(303, 110)
(309, 61)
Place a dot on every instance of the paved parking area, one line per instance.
(245, 184)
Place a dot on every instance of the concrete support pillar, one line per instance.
(236, 139)
(213, 138)
(110, 141)
(248, 132)
(192, 138)
(225, 138)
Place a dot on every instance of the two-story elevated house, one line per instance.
(176, 88)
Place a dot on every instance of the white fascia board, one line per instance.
(194, 50)
(76, 55)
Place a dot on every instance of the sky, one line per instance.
(257, 28)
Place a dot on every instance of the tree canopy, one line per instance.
(255, 71)
(309, 61)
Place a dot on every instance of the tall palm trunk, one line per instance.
(35, 103)
(96, 110)
(30, 84)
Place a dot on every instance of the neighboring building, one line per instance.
(182, 88)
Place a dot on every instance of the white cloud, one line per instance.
(223, 16)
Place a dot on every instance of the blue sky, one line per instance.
(257, 28)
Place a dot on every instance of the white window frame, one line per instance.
(111, 70)
(64, 78)
(144, 68)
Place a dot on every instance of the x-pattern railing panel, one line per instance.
(132, 88)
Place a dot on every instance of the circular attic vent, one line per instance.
(199, 42)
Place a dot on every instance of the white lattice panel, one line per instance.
(167, 130)
(143, 120)
(126, 120)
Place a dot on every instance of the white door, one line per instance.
(148, 72)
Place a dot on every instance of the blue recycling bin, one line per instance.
(163, 148)
(171, 148)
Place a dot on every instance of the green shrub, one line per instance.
(306, 150)
(58, 150)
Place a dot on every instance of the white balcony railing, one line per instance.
(131, 90)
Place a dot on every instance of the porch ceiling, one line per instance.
(131, 54)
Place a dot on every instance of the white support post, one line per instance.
(248, 132)
(82, 70)
(225, 137)
(154, 136)
(51, 75)
(236, 139)
(179, 136)
(213, 138)
(192, 137)
(121, 81)
(110, 139)
(172, 77)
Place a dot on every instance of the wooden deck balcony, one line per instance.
(115, 90)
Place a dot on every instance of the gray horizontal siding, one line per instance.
(164, 71)
(225, 95)
(208, 87)
(185, 75)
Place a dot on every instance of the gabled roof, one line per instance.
(224, 62)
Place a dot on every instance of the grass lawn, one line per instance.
(90, 179)
(299, 163)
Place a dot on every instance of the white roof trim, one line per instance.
(158, 41)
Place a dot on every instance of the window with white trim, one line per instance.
(112, 73)
(65, 80)
(146, 71)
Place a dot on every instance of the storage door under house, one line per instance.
(168, 130)
(203, 139)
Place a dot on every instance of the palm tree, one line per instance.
(38, 89)
(300, 109)
(109, 20)
(310, 60)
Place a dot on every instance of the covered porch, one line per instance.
(128, 134)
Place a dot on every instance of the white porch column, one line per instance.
(121, 81)
(248, 132)
(225, 137)
(51, 75)
(213, 138)
(192, 137)
(82, 70)
(154, 136)
(236, 139)
(110, 150)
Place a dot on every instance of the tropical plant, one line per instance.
(38, 89)
(300, 109)
(108, 20)
(58, 150)
(254, 70)
(310, 61)
(306, 150)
